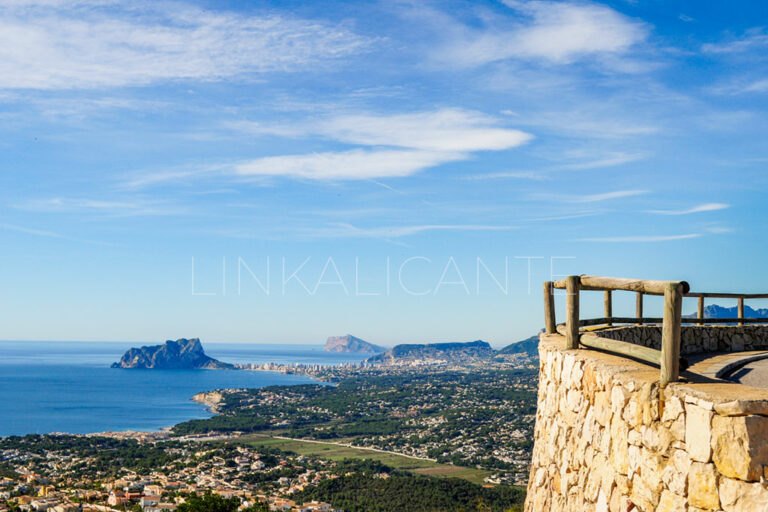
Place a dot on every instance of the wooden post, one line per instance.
(701, 310)
(670, 333)
(608, 306)
(572, 287)
(639, 307)
(549, 308)
(741, 309)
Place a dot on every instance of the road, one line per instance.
(753, 374)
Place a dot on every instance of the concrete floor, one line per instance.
(752, 374)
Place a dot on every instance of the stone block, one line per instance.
(619, 446)
(602, 407)
(673, 408)
(739, 446)
(671, 502)
(619, 398)
(738, 496)
(698, 431)
(742, 408)
(675, 473)
(702, 486)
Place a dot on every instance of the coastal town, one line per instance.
(39, 477)
(453, 421)
(122, 472)
(479, 417)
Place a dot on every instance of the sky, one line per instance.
(408, 172)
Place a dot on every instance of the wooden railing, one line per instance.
(668, 358)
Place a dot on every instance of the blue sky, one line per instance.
(402, 171)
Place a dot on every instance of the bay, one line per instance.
(61, 386)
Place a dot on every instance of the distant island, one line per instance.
(351, 343)
(434, 353)
(180, 354)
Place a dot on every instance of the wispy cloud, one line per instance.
(524, 175)
(356, 164)
(68, 45)
(740, 85)
(125, 208)
(49, 234)
(344, 230)
(558, 32)
(448, 129)
(394, 145)
(750, 40)
(641, 238)
(708, 207)
(609, 160)
(601, 122)
(616, 194)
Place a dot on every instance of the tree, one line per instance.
(215, 503)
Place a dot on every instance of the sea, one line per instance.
(65, 386)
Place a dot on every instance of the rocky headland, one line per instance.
(173, 355)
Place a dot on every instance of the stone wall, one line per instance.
(607, 440)
(695, 338)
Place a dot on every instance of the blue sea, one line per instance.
(69, 386)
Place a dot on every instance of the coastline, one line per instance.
(209, 401)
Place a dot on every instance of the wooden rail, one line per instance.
(668, 358)
(640, 321)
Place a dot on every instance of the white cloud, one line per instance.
(448, 129)
(559, 32)
(355, 164)
(635, 239)
(394, 145)
(68, 45)
(708, 207)
(440, 130)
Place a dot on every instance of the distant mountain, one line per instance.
(180, 354)
(350, 343)
(716, 311)
(434, 353)
(528, 346)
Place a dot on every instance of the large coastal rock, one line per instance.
(180, 354)
(435, 353)
(350, 343)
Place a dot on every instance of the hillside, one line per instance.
(528, 346)
(434, 353)
(351, 343)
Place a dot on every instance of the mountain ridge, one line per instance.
(718, 311)
(433, 353)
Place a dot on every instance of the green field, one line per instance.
(332, 451)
